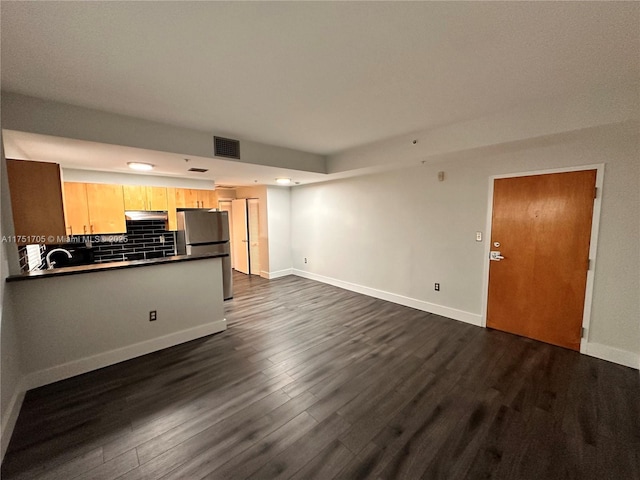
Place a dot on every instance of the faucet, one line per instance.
(51, 263)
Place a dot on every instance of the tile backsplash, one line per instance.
(31, 257)
(144, 239)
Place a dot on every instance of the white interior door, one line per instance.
(225, 206)
(240, 235)
(254, 236)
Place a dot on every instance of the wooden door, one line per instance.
(135, 197)
(36, 201)
(76, 209)
(254, 235)
(542, 226)
(106, 208)
(157, 198)
(240, 235)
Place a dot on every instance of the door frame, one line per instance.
(593, 245)
(249, 234)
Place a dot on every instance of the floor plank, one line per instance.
(312, 381)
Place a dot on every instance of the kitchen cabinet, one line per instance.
(172, 221)
(195, 198)
(157, 198)
(76, 208)
(94, 208)
(135, 197)
(106, 208)
(36, 201)
(138, 197)
(207, 199)
(186, 198)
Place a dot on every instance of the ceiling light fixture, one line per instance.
(142, 167)
(283, 181)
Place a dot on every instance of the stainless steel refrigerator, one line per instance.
(201, 232)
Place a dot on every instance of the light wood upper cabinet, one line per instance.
(106, 208)
(135, 197)
(99, 208)
(157, 198)
(172, 221)
(94, 208)
(186, 198)
(195, 198)
(207, 199)
(138, 197)
(36, 200)
(76, 209)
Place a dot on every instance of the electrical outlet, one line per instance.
(305, 260)
(437, 287)
(153, 315)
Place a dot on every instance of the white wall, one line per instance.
(400, 232)
(77, 323)
(279, 226)
(11, 392)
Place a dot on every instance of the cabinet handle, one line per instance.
(91, 228)
(84, 227)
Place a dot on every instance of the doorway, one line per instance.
(245, 235)
(541, 242)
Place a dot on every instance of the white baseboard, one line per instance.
(461, 315)
(276, 274)
(615, 355)
(104, 359)
(10, 417)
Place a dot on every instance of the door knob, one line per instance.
(495, 256)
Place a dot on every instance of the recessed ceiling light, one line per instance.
(283, 181)
(143, 167)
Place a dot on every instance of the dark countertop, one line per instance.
(101, 267)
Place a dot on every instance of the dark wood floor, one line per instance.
(311, 381)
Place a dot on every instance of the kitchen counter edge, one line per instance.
(102, 267)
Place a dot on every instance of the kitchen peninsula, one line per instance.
(78, 319)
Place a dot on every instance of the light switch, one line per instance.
(478, 236)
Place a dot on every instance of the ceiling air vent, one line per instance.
(199, 170)
(226, 147)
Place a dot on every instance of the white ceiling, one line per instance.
(83, 155)
(320, 77)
